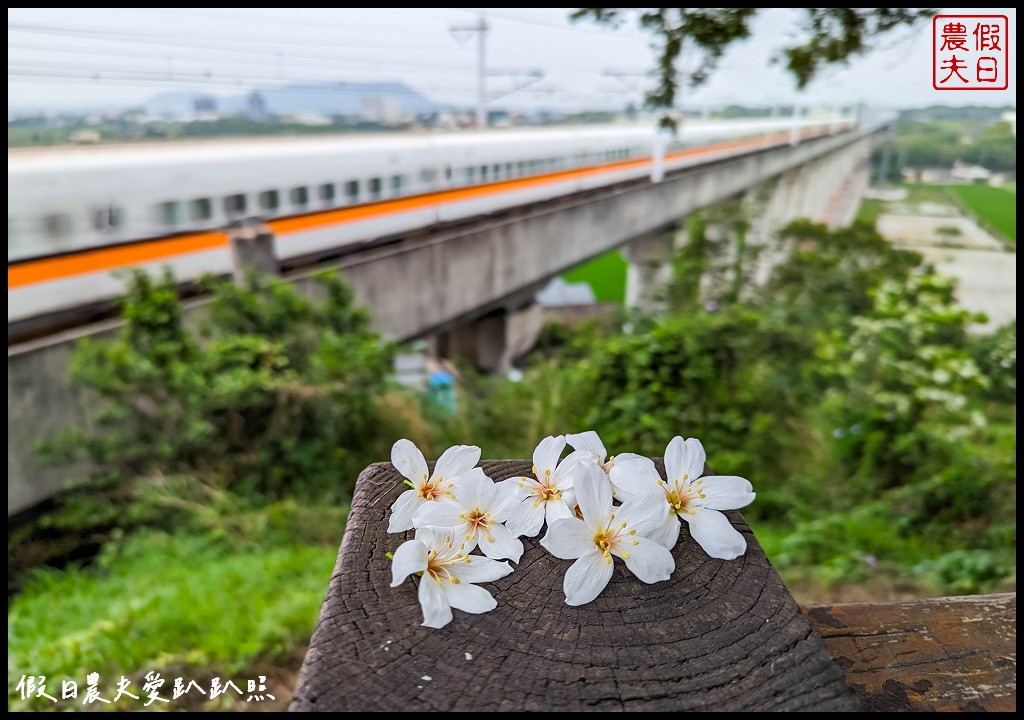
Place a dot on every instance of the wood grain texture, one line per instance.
(719, 635)
(947, 654)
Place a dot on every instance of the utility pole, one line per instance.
(794, 130)
(481, 66)
(481, 74)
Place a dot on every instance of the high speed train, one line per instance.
(76, 215)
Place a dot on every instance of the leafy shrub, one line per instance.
(996, 356)
(274, 394)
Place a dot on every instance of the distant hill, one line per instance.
(321, 99)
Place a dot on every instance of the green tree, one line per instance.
(273, 395)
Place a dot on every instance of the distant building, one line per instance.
(84, 137)
(559, 293)
(256, 107)
(310, 119)
(380, 109)
(964, 172)
(961, 172)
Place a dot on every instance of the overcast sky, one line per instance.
(111, 58)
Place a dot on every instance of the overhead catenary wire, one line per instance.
(178, 41)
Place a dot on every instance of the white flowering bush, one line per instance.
(468, 526)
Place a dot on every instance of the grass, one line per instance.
(919, 193)
(870, 210)
(186, 606)
(606, 275)
(996, 207)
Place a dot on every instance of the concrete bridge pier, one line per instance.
(494, 341)
(650, 267)
(820, 190)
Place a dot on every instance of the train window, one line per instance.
(352, 191)
(269, 200)
(57, 225)
(299, 196)
(396, 184)
(326, 192)
(447, 172)
(170, 213)
(428, 176)
(200, 209)
(508, 170)
(483, 173)
(496, 171)
(235, 204)
(107, 218)
(375, 188)
(520, 168)
(470, 175)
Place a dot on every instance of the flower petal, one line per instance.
(433, 537)
(439, 514)
(587, 577)
(565, 472)
(500, 543)
(649, 561)
(635, 476)
(568, 538)
(545, 456)
(589, 441)
(569, 498)
(402, 511)
(506, 499)
(525, 486)
(556, 510)
(684, 457)
(436, 611)
(468, 597)
(627, 457)
(409, 461)
(593, 493)
(478, 569)
(644, 512)
(727, 492)
(526, 519)
(456, 461)
(409, 558)
(474, 489)
(713, 532)
(667, 534)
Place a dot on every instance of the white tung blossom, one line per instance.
(476, 515)
(549, 494)
(687, 495)
(408, 460)
(449, 574)
(590, 442)
(604, 531)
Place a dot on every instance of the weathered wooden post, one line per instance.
(719, 635)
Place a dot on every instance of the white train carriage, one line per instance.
(77, 215)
